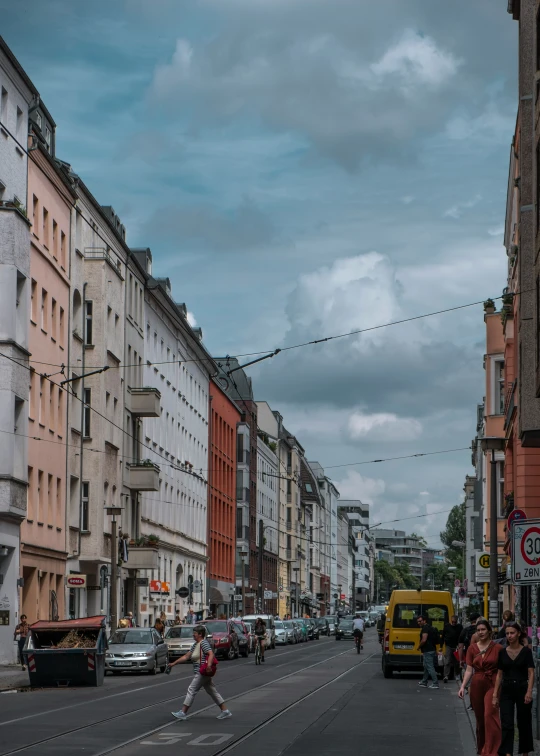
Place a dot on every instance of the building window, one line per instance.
(63, 250)
(45, 227)
(20, 124)
(4, 106)
(88, 310)
(35, 215)
(498, 388)
(33, 301)
(44, 302)
(53, 319)
(85, 505)
(41, 401)
(87, 399)
(48, 138)
(61, 327)
(55, 240)
(500, 488)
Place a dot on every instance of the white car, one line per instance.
(282, 633)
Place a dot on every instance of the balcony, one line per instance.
(242, 494)
(143, 558)
(142, 476)
(289, 498)
(144, 402)
(243, 457)
(289, 525)
(288, 554)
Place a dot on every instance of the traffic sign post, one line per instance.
(525, 541)
(482, 564)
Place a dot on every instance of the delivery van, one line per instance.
(402, 632)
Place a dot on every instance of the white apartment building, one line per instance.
(178, 365)
(327, 537)
(358, 514)
(344, 560)
(16, 96)
(96, 417)
(268, 493)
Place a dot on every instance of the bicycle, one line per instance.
(358, 642)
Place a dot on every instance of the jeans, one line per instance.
(21, 643)
(513, 696)
(450, 661)
(429, 667)
(201, 681)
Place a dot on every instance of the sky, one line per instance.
(304, 168)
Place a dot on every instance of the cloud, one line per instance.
(457, 210)
(355, 486)
(383, 426)
(315, 85)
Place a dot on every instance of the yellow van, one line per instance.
(402, 633)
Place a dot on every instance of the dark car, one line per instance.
(344, 631)
(315, 628)
(223, 638)
(244, 641)
(323, 625)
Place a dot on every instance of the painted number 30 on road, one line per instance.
(530, 546)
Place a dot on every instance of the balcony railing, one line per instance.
(144, 401)
(510, 404)
(142, 476)
(288, 554)
(289, 498)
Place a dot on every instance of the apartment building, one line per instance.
(406, 548)
(267, 511)
(17, 94)
(327, 543)
(174, 509)
(224, 420)
(43, 534)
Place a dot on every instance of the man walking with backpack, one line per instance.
(450, 637)
(429, 640)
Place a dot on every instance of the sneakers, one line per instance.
(262, 658)
(224, 714)
(422, 684)
(445, 679)
(179, 714)
(434, 686)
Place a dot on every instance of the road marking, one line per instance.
(211, 706)
(123, 693)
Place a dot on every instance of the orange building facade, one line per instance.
(224, 419)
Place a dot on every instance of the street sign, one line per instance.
(526, 552)
(197, 586)
(462, 592)
(335, 595)
(482, 567)
(182, 592)
(268, 594)
(76, 581)
(457, 582)
(515, 516)
(142, 582)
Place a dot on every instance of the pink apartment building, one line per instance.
(43, 533)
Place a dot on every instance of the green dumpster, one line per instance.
(81, 664)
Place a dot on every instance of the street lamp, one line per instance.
(493, 444)
(296, 570)
(243, 555)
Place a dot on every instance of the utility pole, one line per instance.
(114, 563)
(260, 555)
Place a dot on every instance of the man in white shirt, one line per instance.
(358, 629)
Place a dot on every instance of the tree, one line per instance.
(455, 531)
(437, 575)
(421, 540)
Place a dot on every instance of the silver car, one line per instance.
(179, 640)
(294, 632)
(136, 650)
(282, 633)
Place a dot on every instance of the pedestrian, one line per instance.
(513, 690)
(177, 620)
(200, 651)
(466, 637)
(159, 626)
(22, 631)
(429, 638)
(450, 638)
(483, 660)
(508, 616)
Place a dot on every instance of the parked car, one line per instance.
(270, 627)
(344, 630)
(282, 633)
(223, 638)
(136, 650)
(251, 635)
(366, 618)
(332, 623)
(178, 639)
(314, 628)
(308, 628)
(302, 628)
(243, 632)
(323, 625)
(293, 631)
(374, 618)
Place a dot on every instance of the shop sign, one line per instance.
(159, 586)
(76, 581)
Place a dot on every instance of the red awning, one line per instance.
(84, 623)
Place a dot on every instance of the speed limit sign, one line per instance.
(526, 552)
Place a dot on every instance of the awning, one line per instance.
(217, 597)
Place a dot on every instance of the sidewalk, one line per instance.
(12, 677)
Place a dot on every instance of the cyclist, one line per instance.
(260, 633)
(358, 629)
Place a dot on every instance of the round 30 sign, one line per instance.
(530, 545)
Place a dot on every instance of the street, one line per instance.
(314, 697)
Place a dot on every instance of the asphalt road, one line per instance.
(315, 698)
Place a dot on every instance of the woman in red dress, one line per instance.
(483, 660)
